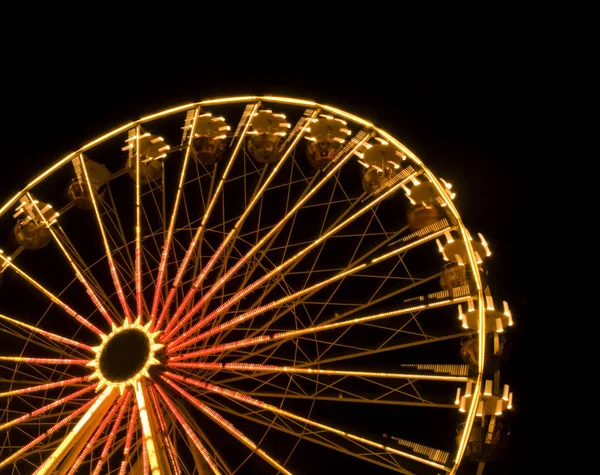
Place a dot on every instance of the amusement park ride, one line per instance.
(222, 281)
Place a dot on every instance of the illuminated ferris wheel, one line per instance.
(245, 285)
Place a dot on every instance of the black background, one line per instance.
(463, 114)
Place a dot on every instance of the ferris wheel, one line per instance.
(246, 285)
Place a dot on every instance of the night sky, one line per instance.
(462, 118)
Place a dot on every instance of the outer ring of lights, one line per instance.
(439, 185)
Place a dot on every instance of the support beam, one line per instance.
(82, 431)
(155, 447)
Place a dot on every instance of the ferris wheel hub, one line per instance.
(125, 355)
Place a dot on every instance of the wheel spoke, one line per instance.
(92, 442)
(174, 319)
(77, 271)
(340, 389)
(255, 402)
(49, 335)
(273, 272)
(169, 236)
(228, 426)
(360, 308)
(351, 399)
(111, 263)
(289, 272)
(51, 296)
(44, 387)
(44, 361)
(171, 452)
(92, 404)
(128, 438)
(313, 187)
(122, 406)
(291, 369)
(302, 432)
(205, 219)
(138, 229)
(48, 407)
(147, 429)
(290, 298)
(317, 328)
(90, 420)
(189, 431)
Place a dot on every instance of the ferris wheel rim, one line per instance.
(299, 102)
(173, 110)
